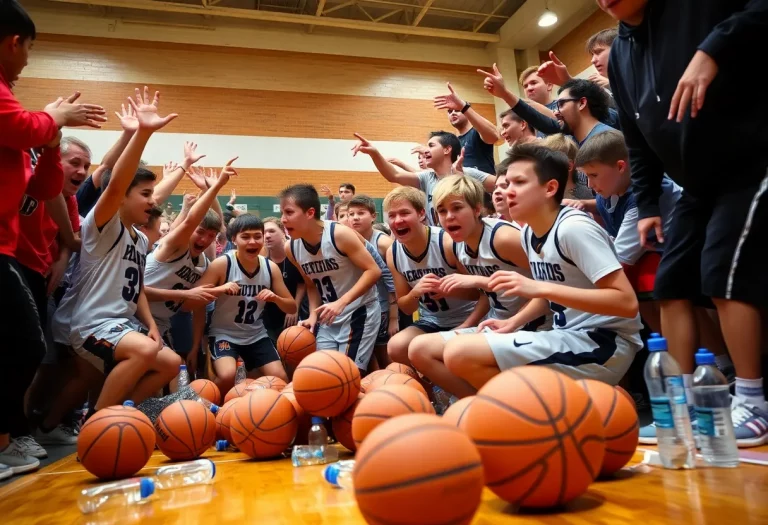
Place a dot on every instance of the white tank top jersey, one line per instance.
(486, 262)
(447, 312)
(331, 271)
(111, 274)
(428, 180)
(179, 274)
(381, 285)
(61, 322)
(577, 252)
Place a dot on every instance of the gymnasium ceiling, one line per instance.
(510, 23)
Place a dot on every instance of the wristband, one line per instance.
(466, 107)
(230, 207)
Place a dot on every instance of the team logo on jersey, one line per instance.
(222, 346)
(28, 205)
(116, 329)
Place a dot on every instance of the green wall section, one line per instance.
(260, 206)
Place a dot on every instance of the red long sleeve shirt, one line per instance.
(20, 130)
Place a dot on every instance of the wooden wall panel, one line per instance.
(571, 48)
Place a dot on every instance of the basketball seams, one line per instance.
(583, 439)
(541, 461)
(623, 433)
(612, 408)
(122, 417)
(117, 451)
(421, 479)
(463, 413)
(394, 396)
(536, 483)
(189, 426)
(172, 434)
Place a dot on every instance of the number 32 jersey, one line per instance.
(239, 318)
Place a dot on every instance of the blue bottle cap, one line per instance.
(146, 487)
(183, 367)
(654, 335)
(221, 445)
(128, 403)
(318, 420)
(331, 474)
(214, 408)
(705, 357)
(657, 344)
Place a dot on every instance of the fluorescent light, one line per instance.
(547, 19)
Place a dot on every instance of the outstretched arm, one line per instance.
(486, 129)
(387, 170)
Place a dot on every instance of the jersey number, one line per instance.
(441, 305)
(174, 306)
(246, 312)
(131, 290)
(325, 289)
(495, 300)
(559, 311)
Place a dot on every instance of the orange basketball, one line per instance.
(418, 469)
(222, 424)
(116, 442)
(304, 420)
(326, 383)
(294, 344)
(342, 425)
(397, 379)
(185, 429)
(239, 390)
(207, 390)
(627, 395)
(271, 382)
(457, 413)
(386, 402)
(288, 389)
(619, 419)
(263, 424)
(248, 381)
(400, 368)
(365, 384)
(539, 434)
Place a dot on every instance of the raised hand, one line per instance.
(146, 111)
(67, 113)
(197, 176)
(232, 197)
(187, 200)
(451, 101)
(553, 71)
(169, 168)
(325, 190)
(494, 82)
(600, 80)
(127, 117)
(362, 146)
(692, 87)
(59, 101)
(191, 156)
(420, 149)
(223, 177)
(458, 166)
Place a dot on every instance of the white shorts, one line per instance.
(590, 354)
(356, 336)
(98, 348)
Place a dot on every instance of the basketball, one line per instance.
(207, 390)
(342, 425)
(457, 413)
(626, 394)
(222, 420)
(294, 344)
(418, 469)
(185, 429)
(239, 390)
(620, 422)
(397, 379)
(304, 420)
(365, 384)
(400, 368)
(247, 381)
(271, 382)
(116, 442)
(326, 383)
(539, 434)
(288, 389)
(263, 424)
(384, 403)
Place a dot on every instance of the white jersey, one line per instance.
(331, 271)
(447, 312)
(381, 285)
(239, 318)
(61, 321)
(111, 276)
(179, 274)
(486, 262)
(577, 252)
(428, 180)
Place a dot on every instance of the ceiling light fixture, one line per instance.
(547, 18)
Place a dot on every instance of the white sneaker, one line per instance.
(17, 460)
(5, 471)
(61, 435)
(30, 447)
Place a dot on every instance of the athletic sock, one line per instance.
(751, 390)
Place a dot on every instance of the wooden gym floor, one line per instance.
(275, 493)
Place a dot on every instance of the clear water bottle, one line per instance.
(183, 377)
(339, 474)
(712, 398)
(318, 436)
(184, 474)
(240, 373)
(317, 451)
(670, 410)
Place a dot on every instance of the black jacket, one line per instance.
(726, 145)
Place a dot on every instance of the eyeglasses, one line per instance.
(562, 101)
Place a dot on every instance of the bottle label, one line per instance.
(713, 422)
(662, 412)
(675, 389)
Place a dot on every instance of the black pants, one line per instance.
(23, 343)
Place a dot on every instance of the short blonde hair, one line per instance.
(415, 197)
(459, 186)
(561, 143)
(276, 221)
(527, 72)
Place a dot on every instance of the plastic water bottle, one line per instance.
(129, 403)
(317, 451)
(135, 491)
(339, 474)
(183, 378)
(318, 436)
(712, 398)
(670, 410)
(240, 373)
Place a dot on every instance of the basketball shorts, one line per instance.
(255, 355)
(430, 328)
(382, 338)
(538, 324)
(54, 352)
(642, 275)
(179, 334)
(356, 336)
(98, 347)
(598, 354)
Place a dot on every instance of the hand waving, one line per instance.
(232, 197)
(191, 156)
(553, 71)
(494, 82)
(197, 176)
(169, 168)
(363, 146)
(451, 101)
(146, 111)
(127, 117)
(220, 179)
(325, 190)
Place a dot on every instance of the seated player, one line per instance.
(575, 274)
(499, 196)
(362, 215)
(483, 247)
(249, 281)
(109, 289)
(577, 192)
(419, 258)
(339, 273)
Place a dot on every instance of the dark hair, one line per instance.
(228, 216)
(14, 20)
(142, 175)
(348, 186)
(244, 222)
(363, 201)
(488, 208)
(606, 147)
(304, 195)
(211, 221)
(548, 164)
(382, 227)
(154, 214)
(105, 178)
(597, 98)
(517, 118)
(448, 139)
(602, 38)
